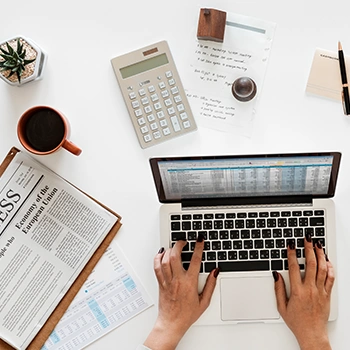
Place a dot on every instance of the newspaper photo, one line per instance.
(48, 232)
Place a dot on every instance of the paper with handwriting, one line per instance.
(215, 66)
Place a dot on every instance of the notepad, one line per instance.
(324, 79)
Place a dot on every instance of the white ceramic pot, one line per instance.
(34, 70)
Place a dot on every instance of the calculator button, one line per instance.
(157, 134)
(163, 123)
(135, 104)
(187, 124)
(147, 138)
(157, 106)
(145, 100)
(177, 99)
(168, 74)
(161, 85)
(174, 90)
(148, 109)
(166, 131)
(165, 93)
(183, 115)
(144, 129)
(168, 102)
(154, 126)
(171, 82)
(151, 117)
(141, 121)
(154, 97)
(132, 95)
(160, 114)
(138, 112)
(180, 107)
(175, 123)
(142, 92)
(151, 88)
(171, 110)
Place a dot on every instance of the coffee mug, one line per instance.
(43, 130)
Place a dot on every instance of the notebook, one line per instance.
(247, 208)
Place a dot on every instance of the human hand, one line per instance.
(180, 305)
(307, 309)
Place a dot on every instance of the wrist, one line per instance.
(164, 337)
(315, 343)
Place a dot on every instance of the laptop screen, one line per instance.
(180, 178)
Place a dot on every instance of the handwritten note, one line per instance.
(215, 66)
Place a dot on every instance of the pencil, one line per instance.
(344, 80)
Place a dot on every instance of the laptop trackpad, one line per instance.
(258, 294)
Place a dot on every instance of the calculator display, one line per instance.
(144, 66)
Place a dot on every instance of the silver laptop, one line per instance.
(247, 208)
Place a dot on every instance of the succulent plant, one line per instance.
(14, 60)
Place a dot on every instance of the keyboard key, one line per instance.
(216, 245)
(218, 224)
(274, 214)
(269, 243)
(230, 215)
(219, 216)
(264, 254)
(304, 222)
(308, 213)
(258, 244)
(248, 244)
(209, 266)
(228, 224)
(244, 266)
(178, 236)
(276, 265)
(243, 255)
(260, 223)
(234, 234)
(227, 245)
(208, 216)
(211, 256)
(223, 234)
(263, 214)
(319, 231)
(319, 212)
(239, 224)
(245, 234)
(186, 225)
(252, 215)
(271, 223)
(287, 232)
(250, 223)
(316, 221)
(232, 255)
(266, 233)
(237, 245)
(285, 213)
(242, 215)
(213, 235)
(255, 234)
(222, 256)
(186, 216)
(175, 217)
(197, 225)
(175, 226)
(253, 255)
(186, 256)
(275, 254)
(191, 236)
(197, 216)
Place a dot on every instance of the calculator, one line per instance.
(154, 95)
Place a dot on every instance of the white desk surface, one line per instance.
(81, 37)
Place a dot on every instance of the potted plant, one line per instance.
(21, 61)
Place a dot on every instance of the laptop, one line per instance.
(247, 208)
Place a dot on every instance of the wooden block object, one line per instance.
(211, 25)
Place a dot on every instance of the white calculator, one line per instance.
(153, 93)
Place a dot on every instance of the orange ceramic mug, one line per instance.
(43, 130)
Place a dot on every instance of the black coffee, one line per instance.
(44, 130)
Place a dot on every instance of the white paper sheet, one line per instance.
(110, 296)
(215, 66)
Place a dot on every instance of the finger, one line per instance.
(175, 258)
(208, 289)
(322, 268)
(280, 292)
(166, 266)
(196, 259)
(293, 266)
(157, 265)
(330, 278)
(310, 261)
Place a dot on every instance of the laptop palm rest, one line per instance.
(258, 290)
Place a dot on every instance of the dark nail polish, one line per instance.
(275, 275)
(216, 272)
(200, 238)
(326, 256)
(308, 237)
(319, 245)
(291, 245)
(161, 250)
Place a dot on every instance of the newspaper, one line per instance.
(48, 232)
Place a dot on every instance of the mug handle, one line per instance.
(71, 147)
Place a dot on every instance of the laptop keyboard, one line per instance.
(247, 241)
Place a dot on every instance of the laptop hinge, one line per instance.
(246, 202)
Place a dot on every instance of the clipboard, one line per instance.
(63, 305)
